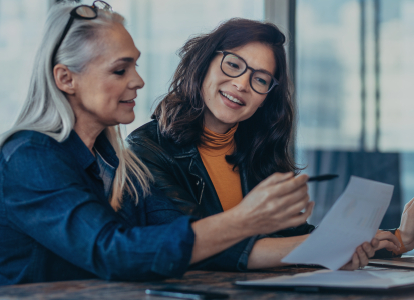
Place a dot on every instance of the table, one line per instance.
(199, 280)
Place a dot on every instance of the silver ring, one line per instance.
(360, 268)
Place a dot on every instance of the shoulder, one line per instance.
(147, 132)
(27, 139)
(148, 145)
(36, 159)
(149, 138)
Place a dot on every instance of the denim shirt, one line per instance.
(56, 222)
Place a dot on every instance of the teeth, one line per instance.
(232, 99)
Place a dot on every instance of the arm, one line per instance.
(268, 253)
(278, 198)
(275, 204)
(265, 255)
(407, 227)
(404, 234)
(155, 210)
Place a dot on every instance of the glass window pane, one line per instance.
(328, 74)
(397, 75)
(354, 79)
(21, 24)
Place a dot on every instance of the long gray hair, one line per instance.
(46, 108)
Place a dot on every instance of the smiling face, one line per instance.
(104, 93)
(232, 100)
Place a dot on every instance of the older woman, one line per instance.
(64, 171)
(224, 127)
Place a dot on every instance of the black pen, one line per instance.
(322, 177)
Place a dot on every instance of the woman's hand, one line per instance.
(383, 239)
(361, 256)
(275, 204)
(407, 226)
(387, 240)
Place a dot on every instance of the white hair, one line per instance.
(46, 108)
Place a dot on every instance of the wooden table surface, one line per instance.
(199, 280)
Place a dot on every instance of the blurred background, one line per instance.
(351, 62)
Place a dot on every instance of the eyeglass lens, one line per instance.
(234, 66)
(101, 5)
(86, 12)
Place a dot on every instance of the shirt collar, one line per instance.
(105, 149)
(83, 155)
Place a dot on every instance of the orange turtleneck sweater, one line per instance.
(213, 150)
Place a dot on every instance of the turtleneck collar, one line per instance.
(215, 144)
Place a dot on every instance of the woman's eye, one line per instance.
(261, 81)
(233, 65)
(120, 72)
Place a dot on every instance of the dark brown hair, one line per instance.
(262, 141)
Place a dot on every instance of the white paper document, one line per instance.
(352, 220)
(362, 279)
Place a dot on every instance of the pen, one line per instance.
(322, 177)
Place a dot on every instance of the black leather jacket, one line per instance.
(180, 173)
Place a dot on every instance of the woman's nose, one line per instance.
(137, 82)
(242, 82)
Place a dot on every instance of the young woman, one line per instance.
(224, 127)
(64, 170)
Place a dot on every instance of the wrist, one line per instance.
(238, 222)
(404, 240)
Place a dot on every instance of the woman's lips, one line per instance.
(128, 102)
(233, 98)
(230, 104)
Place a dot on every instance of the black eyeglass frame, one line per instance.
(275, 81)
(74, 15)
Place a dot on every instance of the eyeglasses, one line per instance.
(80, 12)
(262, 82)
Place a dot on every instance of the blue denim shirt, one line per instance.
(56, 222)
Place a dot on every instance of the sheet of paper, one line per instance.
(382, 279)
(352, 220)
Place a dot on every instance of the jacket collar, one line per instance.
(75, 145)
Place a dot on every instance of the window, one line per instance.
(354, 77)
(21, 24)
